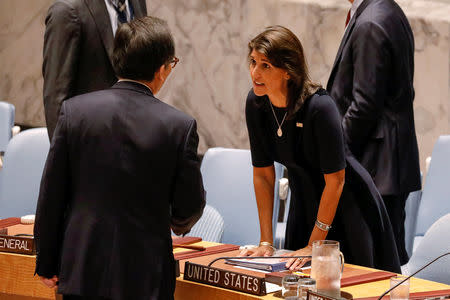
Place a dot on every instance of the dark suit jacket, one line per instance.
(78, 45)
(122, 170)
(372, 84)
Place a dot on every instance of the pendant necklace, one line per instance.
(279, 131)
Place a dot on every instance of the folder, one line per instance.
(269, 264)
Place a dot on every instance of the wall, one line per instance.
(211, 81)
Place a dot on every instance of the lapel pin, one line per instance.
(298, 124)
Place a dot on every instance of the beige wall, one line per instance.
(211, 82)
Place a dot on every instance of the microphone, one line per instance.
(408, 277)
(255, 257)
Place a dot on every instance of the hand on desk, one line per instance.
(296, 263)
(50, 282)
(258, 251)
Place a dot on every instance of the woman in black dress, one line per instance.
(293, 121)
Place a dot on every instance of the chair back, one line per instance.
(21, 175)
(436, 194)
(7, 112)
(280, 233)
(435, 242)
(411, 210)
(279, 171)
(210, 226)
(228, 180)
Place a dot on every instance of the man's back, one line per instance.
(128, 143)
(126, 152)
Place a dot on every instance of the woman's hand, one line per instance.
(296, 263)
(49, 282)
(258, 251)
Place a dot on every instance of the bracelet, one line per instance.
(268, 244)
(323, 226)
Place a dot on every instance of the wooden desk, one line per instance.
(18, 282)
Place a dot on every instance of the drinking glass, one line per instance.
(290, 287)
(402, 291)
(304, 285)
(326, 267)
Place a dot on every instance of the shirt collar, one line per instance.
(355, 5)
(135, 81)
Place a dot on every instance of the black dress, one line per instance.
(312, 145)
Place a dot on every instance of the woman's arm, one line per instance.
(263, 182)
(334, 183)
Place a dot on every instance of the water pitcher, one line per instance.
(327, 266)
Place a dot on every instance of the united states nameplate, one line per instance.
(225, 279)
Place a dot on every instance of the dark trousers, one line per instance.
(73, 297)
(395, 205)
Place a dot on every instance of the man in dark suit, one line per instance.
(78, 44)
(122, 171)
(372, 84)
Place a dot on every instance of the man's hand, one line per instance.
(50, 282)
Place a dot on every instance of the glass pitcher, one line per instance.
(327, 266)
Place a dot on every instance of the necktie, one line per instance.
(348, 18)
(121, 9)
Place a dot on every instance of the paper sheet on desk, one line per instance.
(272, 288)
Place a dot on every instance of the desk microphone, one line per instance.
(408, 277)
(256, 257)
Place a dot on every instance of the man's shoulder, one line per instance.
(380, 13)
(64, 10)
(382, 22)
(174, 112)
(61, 5)
(107, 98)
(86, 99)
(94, 94)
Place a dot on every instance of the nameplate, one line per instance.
(310, 295)
(15, 244)
(225, 279)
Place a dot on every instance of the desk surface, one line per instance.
(16, 273)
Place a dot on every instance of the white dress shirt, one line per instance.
(355, 5)
(113, 14)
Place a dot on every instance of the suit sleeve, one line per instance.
(371, 60)
(52, 202)
(61, 50)
(189, 196)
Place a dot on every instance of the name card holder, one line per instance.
(310, 295)
(17, 244)
(225, 279)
